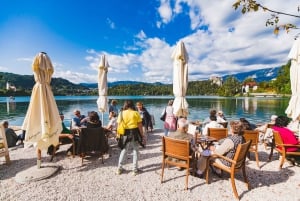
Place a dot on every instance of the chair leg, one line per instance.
(187, 178)
(162, 172)
(73, 152)
(233, 186)
(245, 177)
(53, 153)
(282, 160)
(257, 159)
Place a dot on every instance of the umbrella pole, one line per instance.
(39, 156)
(102, 119)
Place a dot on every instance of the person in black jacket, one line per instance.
(146, 117)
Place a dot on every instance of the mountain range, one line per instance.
(260, 75)
(27, 81)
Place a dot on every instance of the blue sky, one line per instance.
(138, 37)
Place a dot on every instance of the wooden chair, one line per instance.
(237, 164)
(218, 133)
(92, 140)
(63, 141)
(280, 147)
(3, 145)
(253, 135)
(176, 152)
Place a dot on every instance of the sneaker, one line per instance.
(119, 171)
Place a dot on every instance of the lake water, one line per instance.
(256, 110)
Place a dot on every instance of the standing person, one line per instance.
(113, 107)
(146, 118)
(170, 120)
(131, 121)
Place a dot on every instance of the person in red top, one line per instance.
(288, 136)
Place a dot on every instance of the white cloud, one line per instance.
(2, 68)
(165, 11)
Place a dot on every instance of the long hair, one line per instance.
(128, 104)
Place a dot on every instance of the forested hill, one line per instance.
(25, 83)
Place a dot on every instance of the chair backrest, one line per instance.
(179, 149)
(3, 145)
(218, 133)
(278, 140)
(240, 155)
(92, 139)
(252, 135)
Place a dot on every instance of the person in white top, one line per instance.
(112, 124)
(212, 124)
(265, 133)
(220, 117)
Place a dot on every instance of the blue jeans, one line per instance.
(166, 131)
(135, 146)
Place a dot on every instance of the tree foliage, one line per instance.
(231, 87)
(254, 6)
(282, 84)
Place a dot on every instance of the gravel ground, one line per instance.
(96, 181)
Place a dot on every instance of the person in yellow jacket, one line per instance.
(132, 130)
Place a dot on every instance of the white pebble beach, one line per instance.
(96, 181)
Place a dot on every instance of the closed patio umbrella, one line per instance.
(180, 79)
(293, 109)
(102, 85)
(42, 122)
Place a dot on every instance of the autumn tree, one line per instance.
(253, 6)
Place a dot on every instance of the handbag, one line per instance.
(122, 141)
(163, 116)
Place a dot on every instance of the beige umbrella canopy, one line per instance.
(102, 85)
(180, 80)
(293, 109)
(42, 121)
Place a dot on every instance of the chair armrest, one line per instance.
(215, 156)
(289, 145)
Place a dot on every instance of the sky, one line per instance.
(138, 37)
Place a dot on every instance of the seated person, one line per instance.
(181, 134)
(287, 136)
(111, 127)
(265, 133)
(212, 124)
(247, 125)
(220, 117)
(78, 121)
(212, 112)
(65, 137)
(93, 120)
(11, 137)
(227, 148)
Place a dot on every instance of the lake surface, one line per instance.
(256, 110)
